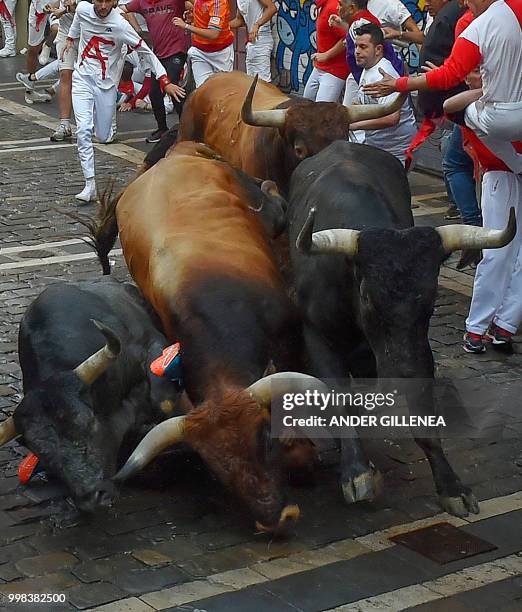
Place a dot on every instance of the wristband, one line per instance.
(401, 84)
(163, 82)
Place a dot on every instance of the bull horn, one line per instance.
(363, 112)
(286, 382)
(344, 241)
(457, 237)
(267, 118)
(95, 365)
(160, 437)
(7, 431)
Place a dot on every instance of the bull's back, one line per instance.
(350, 186)
(212, 114)
(186, 220)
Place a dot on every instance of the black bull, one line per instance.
(78, 410)
(367, 296)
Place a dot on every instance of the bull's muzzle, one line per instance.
(289, 516)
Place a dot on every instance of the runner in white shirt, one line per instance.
(492, 41)
(396, 20)
(256, 16)
(102, 32)
(395, 132)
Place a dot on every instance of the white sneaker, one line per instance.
(88, 194)
(7, 52)
(23, 78)
(45, 55)
(35, 97)
(62, 133)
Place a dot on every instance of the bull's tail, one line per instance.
(102, 230)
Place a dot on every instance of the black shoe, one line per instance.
(500, 339)
(155, 136)
(473, 343)
(452, 213)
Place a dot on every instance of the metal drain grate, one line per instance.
(443, 543)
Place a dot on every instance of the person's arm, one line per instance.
(334, 21)
(237, 22)
(461, 101)
(128, 11)
(410, 32)
(465, 57)
(135, 43)
(328, 55)
(216, 23)
(377, 124)
(269, 10)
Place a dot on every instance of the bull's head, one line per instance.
(59, 425)
(232, 435)
(308, 127)
(396, 273)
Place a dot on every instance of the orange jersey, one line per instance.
(214, 15)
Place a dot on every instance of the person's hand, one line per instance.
(126, 107)
(175, 91)
(385, 87)
(391, 33)
(178, 22)
(57, 12)
(252, 35)
(188, 16)
(68, 46)
(429, 66)
(334, 21)
(318, 58)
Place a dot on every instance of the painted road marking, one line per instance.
(452, 584)
(264, 571)
(56, 259)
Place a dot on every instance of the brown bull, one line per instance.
(200, 255)
(271, 140)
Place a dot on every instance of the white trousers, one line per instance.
(497, 291)
(8, 25)
(323, 86)
(205, 64)
(258, 56)
(94, 109)
(497, 125)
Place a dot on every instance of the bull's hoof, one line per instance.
(363, 487)
(460, 506)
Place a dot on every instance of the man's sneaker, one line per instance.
(155, 136)
(88, 193)
(500, 339)
(473, 343)
(7, 51)
(35, 97)
(25, 80)
(62, 133)
(452, 213)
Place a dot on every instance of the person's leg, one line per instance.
(104, 112)
(509, 313)
(312, 85)
(330, 88)
(494, 271)
(83, 104)
(158, 106)
(258, 58)
(498, 126)
(202, 69)
(35, 37)
(458, 170)
(8, 23)
(45, 53)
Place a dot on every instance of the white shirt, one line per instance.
(252, 11)
(391, 13)
(65, 20)
(395, 139)
(497, 34)
(101, 43)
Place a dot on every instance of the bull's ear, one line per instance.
(272, 210)
(300, 150)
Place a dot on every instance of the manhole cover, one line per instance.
(443, 543)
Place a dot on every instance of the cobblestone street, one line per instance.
(174, 539)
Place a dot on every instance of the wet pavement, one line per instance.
(175, 539)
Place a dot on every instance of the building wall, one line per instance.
(295, 40)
